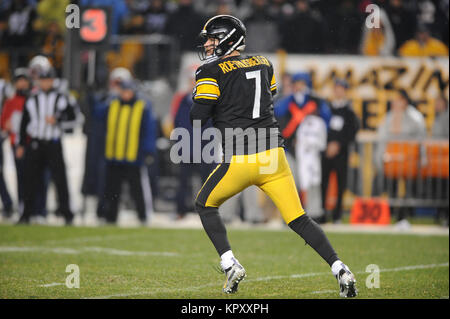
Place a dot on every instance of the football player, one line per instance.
(236, 91)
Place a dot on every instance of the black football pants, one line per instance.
(339, 164)
(138, 179)
(38, 156)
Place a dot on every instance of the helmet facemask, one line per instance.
(202, 50)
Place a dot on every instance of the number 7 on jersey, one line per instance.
(257, 104)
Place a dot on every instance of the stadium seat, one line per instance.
(437, 160)
(401, 160)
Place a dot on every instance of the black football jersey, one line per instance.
(241, 90)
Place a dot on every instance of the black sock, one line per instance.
(315, 237)
(214, 227)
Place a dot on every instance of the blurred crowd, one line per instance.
(406, 27)
(123, 133)
(320, 136)
(123, 130)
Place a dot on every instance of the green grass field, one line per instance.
(178, 263)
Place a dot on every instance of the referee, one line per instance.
(45, 116)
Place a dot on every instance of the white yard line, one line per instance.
(72, 251)
(52, 284)
(56, 250)
(411, 268)
(87, 239)
(112, 251)
(168, 290)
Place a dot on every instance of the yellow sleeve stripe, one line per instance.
(208, 89)
(273, 81)
(273, 88)
(207, 79)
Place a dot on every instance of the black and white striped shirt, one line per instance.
(38, 108)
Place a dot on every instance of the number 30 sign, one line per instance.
(370, 211)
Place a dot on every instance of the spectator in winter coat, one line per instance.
(343, 128)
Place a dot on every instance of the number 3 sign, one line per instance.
(94, 25)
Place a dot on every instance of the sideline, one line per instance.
(72, 251)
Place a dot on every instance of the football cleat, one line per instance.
(347, 283)
(235, 274)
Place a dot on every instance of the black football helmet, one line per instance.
(229, 30)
